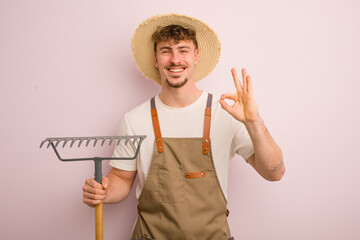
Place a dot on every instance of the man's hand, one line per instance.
(244, 108)
(114, 188)
(267, 160)
(95, 193)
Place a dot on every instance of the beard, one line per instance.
(176, 85)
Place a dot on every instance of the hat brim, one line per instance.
(143, 46)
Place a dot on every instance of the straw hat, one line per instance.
(143, 46)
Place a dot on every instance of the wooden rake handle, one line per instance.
(99, 222)
(99, 207)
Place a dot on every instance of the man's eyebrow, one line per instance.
(181, 47)
(165, 47)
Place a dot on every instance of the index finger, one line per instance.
(93, 183)
(236, 80)
(244, 76)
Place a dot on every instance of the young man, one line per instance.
(183, 163)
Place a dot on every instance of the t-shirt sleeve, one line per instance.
(124, 150)
(241, 143)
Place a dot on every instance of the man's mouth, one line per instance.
(176, 69)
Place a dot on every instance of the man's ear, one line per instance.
(196, 56)
(156, 61)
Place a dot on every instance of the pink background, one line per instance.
(66, 70)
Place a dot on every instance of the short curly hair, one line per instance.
(173, 32)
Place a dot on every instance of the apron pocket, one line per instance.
(171, 184)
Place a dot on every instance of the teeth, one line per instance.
(176, 70)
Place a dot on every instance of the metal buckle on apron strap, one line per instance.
(138, 210)
(190, 175)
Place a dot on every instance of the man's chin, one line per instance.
(177, 84)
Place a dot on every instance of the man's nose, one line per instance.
(175, 58)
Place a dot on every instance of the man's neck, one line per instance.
(179, 97)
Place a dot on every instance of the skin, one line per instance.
(181, 56)
(176, 63)
(267, 160)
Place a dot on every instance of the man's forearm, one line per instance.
(119, 186)
(268, 156)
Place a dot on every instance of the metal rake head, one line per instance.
(56, 141)
(135, 140)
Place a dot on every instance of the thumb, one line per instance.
(105, 182)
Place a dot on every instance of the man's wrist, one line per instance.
(254, 123)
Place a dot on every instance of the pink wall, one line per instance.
(66, 70)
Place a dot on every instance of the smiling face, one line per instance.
(176, 61)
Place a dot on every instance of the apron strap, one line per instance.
(206, 132)
(207, 120)
(155, 120)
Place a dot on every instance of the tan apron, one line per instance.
(182, 197)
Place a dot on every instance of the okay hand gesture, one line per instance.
(244, 108)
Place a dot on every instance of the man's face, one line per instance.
(176, 62)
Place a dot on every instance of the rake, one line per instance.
(134, 140)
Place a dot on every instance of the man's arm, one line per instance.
(267, 160)
(114, 188)
(120, 185)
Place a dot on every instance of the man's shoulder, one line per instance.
(141, 109)
(137, 121)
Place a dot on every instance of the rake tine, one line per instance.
(42, 143)
(81, 140)
(66, 140)
(134, 141)
(96, 140)
(126, 141)
(103, 141)
(48, 143)
(116, 139)
(72, 142)
(57, 142)
(87, 141)
(111, 140)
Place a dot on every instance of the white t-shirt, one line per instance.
(227, 135)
